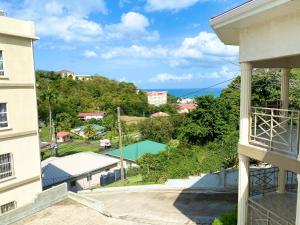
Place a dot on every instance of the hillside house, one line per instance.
(62, 137)
(159, 114)
(134, 151)
(86, 116)
(185, 108)
(80, 171)
(157, 98)
(80, 130)
(267, 32)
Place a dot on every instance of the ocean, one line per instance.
(190, 92)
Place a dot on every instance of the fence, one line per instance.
(259, 215)
(263, 181)
(110, 177)
(275, 129)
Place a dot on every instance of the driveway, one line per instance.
(165, 206)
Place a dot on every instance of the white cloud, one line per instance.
(69, 29)
(90, 54)
(159, 5)
(136, 51)
(163, 77)
(133, 25)
(202, 48)
(224, 72)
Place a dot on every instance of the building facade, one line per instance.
(267, 32)
(80, 171)
(157, 98)
(20, 179)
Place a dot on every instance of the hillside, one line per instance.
(67, 97)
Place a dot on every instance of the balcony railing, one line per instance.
(259, 215)
(275, 129)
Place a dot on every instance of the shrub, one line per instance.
(229, 218)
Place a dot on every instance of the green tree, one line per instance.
(89, 132)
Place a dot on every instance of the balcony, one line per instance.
(275, 130)
(265, 205)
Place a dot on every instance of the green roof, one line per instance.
(137, 150)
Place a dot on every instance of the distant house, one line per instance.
(80, 171)
(67, 73)
(80, 130)
(185, 101)
(157, 98)
(134, 151)
(105, 143)
(83, 77)
(86, 116)
(159, 114)
(185, 108)
(62, 137)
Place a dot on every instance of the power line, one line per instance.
(203, 89)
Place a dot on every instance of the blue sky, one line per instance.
(152, 43)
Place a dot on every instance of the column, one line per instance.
(298, 203)
(245, 104)
(243, 189)
(285, 88)
(284, 97)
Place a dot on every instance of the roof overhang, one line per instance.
(228, 25)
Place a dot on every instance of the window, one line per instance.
(8, 206)
(73, 183)
(3, 115)
(89, 177)
(1, 64)
(6, 165)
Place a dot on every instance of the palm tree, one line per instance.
(50, 96)
(89, 132)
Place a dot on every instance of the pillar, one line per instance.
(245, 105)
(285, 88)
(284, 97)
(245, 102)
(243, 189)
(298, 202)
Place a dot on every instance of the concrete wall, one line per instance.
(42, 201)
(82, 183)
(223, 179)
(17, 90)
(271, 38)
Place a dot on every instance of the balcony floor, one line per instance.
(284, 205)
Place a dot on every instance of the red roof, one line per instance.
(232, 9)
(186, 106)
(84, 114)
(62, 134)
(156, 93)
(160, 114)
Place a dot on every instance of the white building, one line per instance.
(267, 32)
(20, 174)
(80, 171)
(86, 116)
(67, 74)
(157, 98)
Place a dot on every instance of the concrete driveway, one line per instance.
(161, 206)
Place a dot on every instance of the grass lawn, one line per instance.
(45, 134)
(130, 181)
(74, 147)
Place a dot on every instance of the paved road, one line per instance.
(165, 207)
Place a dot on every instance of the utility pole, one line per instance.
(120, 144)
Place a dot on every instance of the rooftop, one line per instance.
(156, 93)
(186, 106)
(160, 114)
(134, 151)
(83, 114)
(62, 134)
(58, 169)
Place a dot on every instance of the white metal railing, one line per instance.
(275, 129)
(259, 215)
